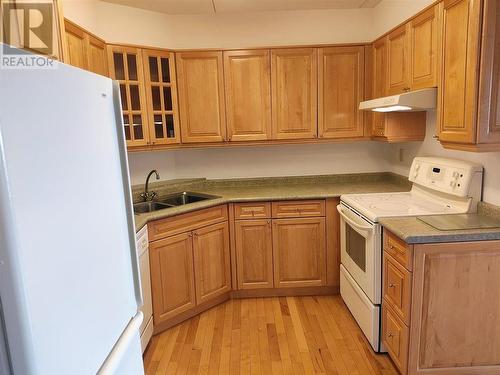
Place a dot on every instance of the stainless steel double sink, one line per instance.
(172, 200)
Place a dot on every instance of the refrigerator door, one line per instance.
(69, 281)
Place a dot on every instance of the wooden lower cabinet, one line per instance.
(254, 253)
(172, 277)
(212, 268)
(455, 316)
(299, 247)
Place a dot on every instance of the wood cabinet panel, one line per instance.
(397, 288)
(455, 321)
(252, 210)
(395, 336)
(185, 222)
(201, 96)
(460, 58)
(306, 208)
(211, 261)
(97, 57)
(125, 66)
(172, 278)
(341, 88)
(424, 48)
(247, 77)
(294, 93)
(398, 61)
(489, 84)
(299, 247)
(398, 249)
(76, 42)
(254, 254)
(379, 78)
(161, 94)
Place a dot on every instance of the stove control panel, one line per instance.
(449, 176)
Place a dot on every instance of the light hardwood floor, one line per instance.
(286, 335)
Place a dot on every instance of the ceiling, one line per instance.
(176, 7)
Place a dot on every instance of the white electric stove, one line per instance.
(440, 186)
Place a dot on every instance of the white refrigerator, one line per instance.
(69, 277)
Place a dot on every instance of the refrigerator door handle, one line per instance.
(122, 148)
(114, 359)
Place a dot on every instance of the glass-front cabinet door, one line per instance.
(125, 66)
(161, 96)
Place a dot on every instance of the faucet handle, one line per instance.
(148, 196)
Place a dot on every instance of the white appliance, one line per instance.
(69, 276)
(440, 186)
(146, 329)
(418, 100)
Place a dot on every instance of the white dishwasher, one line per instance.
(147, 308)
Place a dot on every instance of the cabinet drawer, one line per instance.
(186, 222)
(399, 250)
(258, 210)
(395, 335)
(397, 288)
(298, 208)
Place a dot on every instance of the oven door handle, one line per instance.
(351, 222)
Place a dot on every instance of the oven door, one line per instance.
(360, 243)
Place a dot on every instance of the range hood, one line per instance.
(418, 100)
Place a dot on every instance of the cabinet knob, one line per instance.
(391, 285)
(389, 334)
(436, 137)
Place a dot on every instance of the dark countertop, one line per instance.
(414, 231)
(269, 189)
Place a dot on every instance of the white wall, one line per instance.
(262, 161)
(430, 146)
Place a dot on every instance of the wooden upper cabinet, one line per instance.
(172, 276)
(398, 76)
(299, 250)
(125, 66)
(76, 42)
(489, 84)
(424, 49)
(85, 50)
(161, 96)
(460, 59)
(379, 80)
(341, 88)
(96, 56)
(247, 77)
(294, 93)
(212, 267)
(201, 96)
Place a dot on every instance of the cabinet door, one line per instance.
(211, 261)
(76, 41)
(341, 88)
(161, 96)
(247, 76)
(125, 66)
(201, 96)
(489, 86)
(398, 61)
(254, 254)
(379, 83)
(460, 50)
(96, 56)
(172, 278)
(424, 35)
(294, 93)
(299, 252)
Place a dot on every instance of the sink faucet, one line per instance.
(147, 195)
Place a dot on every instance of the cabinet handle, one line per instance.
(389, 334)
(269, 221)
(391, 285)
(190, 234)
